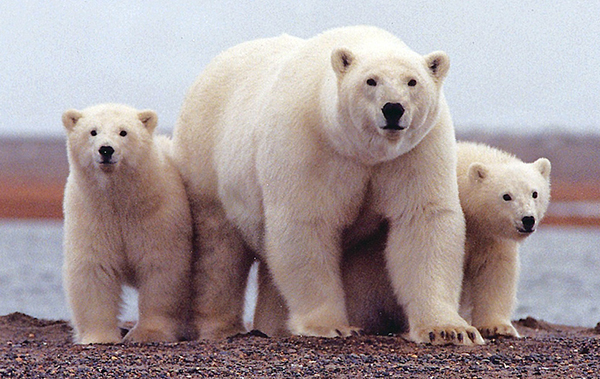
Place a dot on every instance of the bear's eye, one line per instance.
(534, 194)
(506, 197)
(123, 133)
(371, 82)
(93, 133)
(412, 83)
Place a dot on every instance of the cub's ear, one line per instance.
(543, 166)
(149, 119)
(438, 64)
(70, 118)
(341, 60)
(477, 172)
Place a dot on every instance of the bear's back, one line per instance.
(469, 152)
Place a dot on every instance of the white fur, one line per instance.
(127, 221)
(497, 191)
(485, 175)
(286, 135)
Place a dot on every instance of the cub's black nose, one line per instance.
(392, 112)
(106, 151)
(528, 222)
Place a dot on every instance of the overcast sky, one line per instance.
(516, 65)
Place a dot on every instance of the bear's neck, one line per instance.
(480, 240)
(125, 189)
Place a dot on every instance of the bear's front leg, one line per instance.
(304, 259)
(493, 285)
(424, 258)
(94, 295)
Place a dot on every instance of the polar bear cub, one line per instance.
(297, 143)
(127, 221)
(503, 200)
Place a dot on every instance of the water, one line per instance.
(560, 279)
(31, 271)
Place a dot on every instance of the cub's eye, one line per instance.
(123, 133)
(371, 82)
(506, 197)
(412, 83)
(93, 133)
(534, 194)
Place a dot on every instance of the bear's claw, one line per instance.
(447, 335)
(501, 330)
(317, 331)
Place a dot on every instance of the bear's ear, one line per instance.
(341, 60)
(543, 166)
(477, 172)
(70, 118)
(438, 64)
(149, 119)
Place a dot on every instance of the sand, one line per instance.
(31, 347)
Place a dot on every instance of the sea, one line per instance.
(559, 281)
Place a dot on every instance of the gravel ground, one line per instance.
(34, 348)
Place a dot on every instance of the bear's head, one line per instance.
(391, 95)
(508, 200)
(109, 136)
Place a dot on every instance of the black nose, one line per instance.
(528, 222)
(106, 151)
(392, 112)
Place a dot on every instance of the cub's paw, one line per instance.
(503, 330)
(149, 335)
(89, 338)
(325, 331)
(446, 335)
(213, 329)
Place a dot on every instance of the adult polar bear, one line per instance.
(306, 143)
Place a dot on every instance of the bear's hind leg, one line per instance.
(271, 312)
(163, 301)
(221, 268)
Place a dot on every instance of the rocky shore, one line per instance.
(34, 348)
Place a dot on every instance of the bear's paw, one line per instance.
(446, 335)
(100, 337)
(499, 330)
(326, 331)
(144, 335)
(217, 327)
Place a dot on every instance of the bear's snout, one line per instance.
(106, 153)
(392, 113)
(528, 224)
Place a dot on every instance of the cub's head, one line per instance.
(391, 95)
(509, 200)
(108, 136)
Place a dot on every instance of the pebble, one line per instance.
(541, 354)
